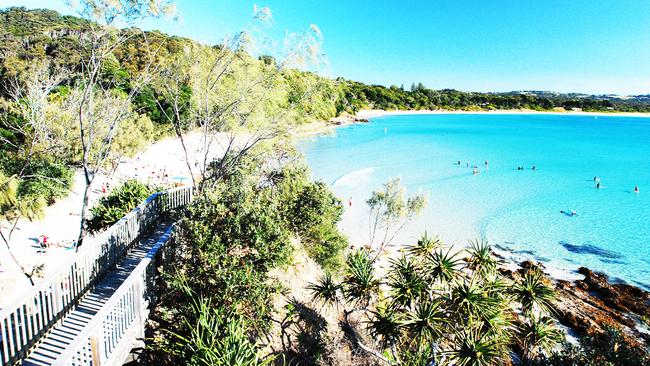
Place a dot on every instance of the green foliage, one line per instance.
(313, 211)
(533, 292)
(325, 290)
(120, 201)
(390, 210)
(236, 231)
(210, 337)
(38, 183)
(360, 286)
(356, 96)
(431, 307)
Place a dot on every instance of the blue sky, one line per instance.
(594, 46)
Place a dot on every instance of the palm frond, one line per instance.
(443, 266)
(360, 285)
(325, 291)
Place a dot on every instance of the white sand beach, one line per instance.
(162, 164)
(371, 113)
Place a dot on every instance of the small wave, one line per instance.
(354, 178)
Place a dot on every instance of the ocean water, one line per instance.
(517, 210)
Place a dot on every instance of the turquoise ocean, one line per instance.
(518, 211)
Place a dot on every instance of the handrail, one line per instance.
(89, 346)
(24, 321)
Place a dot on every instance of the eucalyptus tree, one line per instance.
(235, 96)
(30, 179)
(99, 104)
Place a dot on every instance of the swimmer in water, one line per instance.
(636, 189)
(598, 185)
(486, 162)
(569, 213)
(534, 167)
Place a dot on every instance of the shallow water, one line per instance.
(517, 210)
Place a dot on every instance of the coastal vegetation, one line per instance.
(356, 96)
(433, 306)
(117, 203)
(218, 296)
(81, 93)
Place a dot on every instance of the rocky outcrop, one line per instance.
(347, 119)
(589, 305)
(622, 297)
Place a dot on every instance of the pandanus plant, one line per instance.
(435, 306)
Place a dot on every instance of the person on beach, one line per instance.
(636, 189)
(350, 202)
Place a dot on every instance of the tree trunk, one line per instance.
(16, 262)
(84, 214)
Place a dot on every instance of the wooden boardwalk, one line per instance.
(59, 339)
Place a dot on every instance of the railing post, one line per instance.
(97, 346)
(139, 301)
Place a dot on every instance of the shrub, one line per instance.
(120, 201)
(211, 337)
(313, 211)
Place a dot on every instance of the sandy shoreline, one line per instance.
(372, 113)
(363, 116)
(161, 164)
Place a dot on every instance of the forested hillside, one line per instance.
(31, 36)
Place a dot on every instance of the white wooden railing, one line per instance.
(25, 320)
(108, 338)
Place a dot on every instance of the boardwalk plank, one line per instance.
(55, 342)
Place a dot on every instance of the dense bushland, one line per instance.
(232, 235)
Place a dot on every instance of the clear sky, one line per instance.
(593, 46)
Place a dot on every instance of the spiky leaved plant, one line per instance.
(405, 281)
(471, 347)
(538, 336)
(325, 291)
(443, 266)
(360, 285)
(533, 293)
